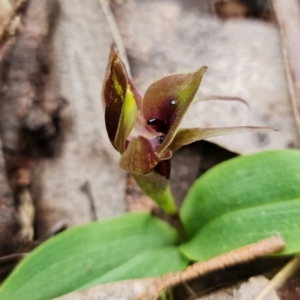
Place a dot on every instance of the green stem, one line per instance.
(157, 188)
(176, 223)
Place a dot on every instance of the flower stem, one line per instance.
(176, 223)
(157, 188)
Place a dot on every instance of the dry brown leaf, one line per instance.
(245, 291)
(5, 11)
(9, 21)
(31, 104)
(281, 278)
(52, 124)
(123, 290)
(290, 289)
(230, 9)
(17, 211)
(243, 58)
(288, 17)
(250, 289)
(9, 224)
(150, 288)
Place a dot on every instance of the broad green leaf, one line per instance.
(187, 136)
(157, 187)
(147, 264)
(246, 226)
(166, 101)
(243, 200)
(86, 255)
(139, 157)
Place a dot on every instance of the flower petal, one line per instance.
(166, 101)
(113, 94)
(190, 135)
(139, 157)
(157, 187)
(136, 94)
(141, 125)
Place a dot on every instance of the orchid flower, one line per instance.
(146, 130)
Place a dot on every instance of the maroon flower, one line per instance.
(146, 130)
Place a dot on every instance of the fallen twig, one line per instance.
(288, 17)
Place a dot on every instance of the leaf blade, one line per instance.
(247, 226)
(206, 199)
(82, 254)
(239, 202)
(150, 263)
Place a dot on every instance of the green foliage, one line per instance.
(135, 245)
(242, 201)
(245, 226)
(236, 203)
